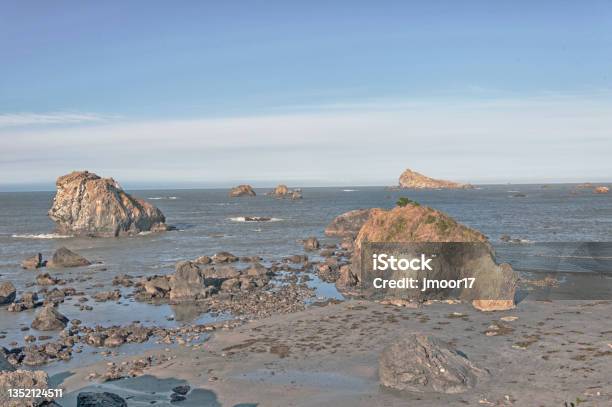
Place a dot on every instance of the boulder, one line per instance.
(311, 244)
(224, 257)
(414, 180)
(86, 204)
(348, 224)
(22, 379)
(46, 279)
(64, 257)
(7, 293)
(414, 223)
(49, 319)
(106, 399)
(242, 190)
(281, 190)
(157, 286)
(33, 262)
(420, 363)
(295, 195)
(187, 283)
(601, 190)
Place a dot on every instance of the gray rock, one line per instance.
(106, 399)
(421, 363)
(67, 258)
(7, 293)
(5, 365)
(187, 283)
(348, 224)
(224, 257)
(49, 319)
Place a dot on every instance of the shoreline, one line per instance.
(328, 355)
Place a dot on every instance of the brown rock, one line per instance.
(224, 257)
(33, 262)
(414, 180)
(311, 244)
(601, 190)
(420, 363)
(86, 204)
(49, 319)
(46, 279)
(64, 257)
(187, 283)
(22, 379)
(7, 293)
(413, 224)
(281, 190)
(242, 190)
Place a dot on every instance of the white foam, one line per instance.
(243, 219)
(41, 236)
(163, 197)
(350, 190)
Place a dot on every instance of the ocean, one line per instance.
(208, 221)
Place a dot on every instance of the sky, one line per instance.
(211, 94)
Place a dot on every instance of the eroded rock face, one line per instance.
(494, 285)
(7, 293)
(421, 363)
(22, 379)
(242, 190)
(106, 399)
(49, 319)
(414, 180)
(348, 224)
(86, 204)
(64, 257)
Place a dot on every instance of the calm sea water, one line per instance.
(208, 221)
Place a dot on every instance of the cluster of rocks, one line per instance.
(10, 378)
(203, 278)
(61, 258)
(282, 191)
(88, 205)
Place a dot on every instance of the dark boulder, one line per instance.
(64, 257)
(106, 399)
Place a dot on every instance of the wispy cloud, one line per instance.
(33, 119)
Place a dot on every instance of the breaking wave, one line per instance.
(254, 219)
(41, 236)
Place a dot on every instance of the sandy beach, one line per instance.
(539, 354)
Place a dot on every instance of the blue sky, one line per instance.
(236, 89)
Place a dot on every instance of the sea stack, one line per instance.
(495, 284)
(88, 205)
(414, 180)
(242, 190)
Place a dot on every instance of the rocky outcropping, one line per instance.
(494, 286)
(33, 262)
(414, 180)
(348, 224)
(282, 191)
(242, 190)
(601, 190)
(106, 399)
(420, 363)
(64, 257)
(22, 379)
(7, 293)
(86, 204)
(49, 319)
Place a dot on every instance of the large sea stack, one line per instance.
(495, 284)
(414, 180)
(86, 204)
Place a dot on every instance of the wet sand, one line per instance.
(551, 353)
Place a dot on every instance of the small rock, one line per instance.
(311, 244)
(64, 257)
(106, 399)
(49, 319)
(33, 262)
(7, 293)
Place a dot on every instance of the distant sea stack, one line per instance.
(242, 190)
(88, 205)
(413, 180)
